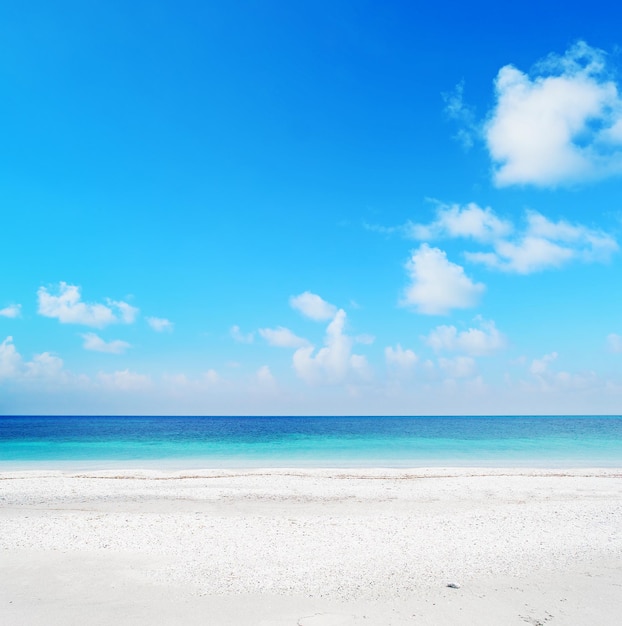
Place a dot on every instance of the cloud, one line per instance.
(97, 344)
(540, 244)
(335, 361)
(312, 306)
(68, 308)
(545, 244)
(365, 339)
(127, 312)
(264, 381)
(470, 221)
(125, 380)
(458, 367)
(437, 284)
(456, 109)
(12, 311)
(539, 367)
(551, 381)
(474, 341)
(180, 384)
(282, 337)
(160, 324)
(239, 337)
(614, 342)
(400, 358)
(10, 359)
(561, 124)
(43, 367)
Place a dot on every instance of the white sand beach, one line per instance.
(311, 547)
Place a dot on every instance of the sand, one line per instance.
(311, 547)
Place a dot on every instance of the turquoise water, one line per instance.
(310, 441)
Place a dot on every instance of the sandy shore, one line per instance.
(311, 547)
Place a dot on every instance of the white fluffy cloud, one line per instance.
(335, 361)
(545, 244)
(282, 337)
(614, 342)
(68, 308)
(437, 284)
(480, 341)
(13, 311)
(400, 358)
(160, 324)
(538, 245)
(559, 125)
(10, 359)
(44, 366)
(462, 221)
(97, 344)
(313, 306)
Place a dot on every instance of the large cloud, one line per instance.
(68, 308)
(437, 284)
(561, 124)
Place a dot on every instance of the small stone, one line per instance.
(453, 585)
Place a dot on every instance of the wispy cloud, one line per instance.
(160, 324)
(458, 110)
(282, 337)
(313, 306)
(458, 367)
(97, 344)
(614, 342)
(239, 337)
(125, 380)
(12, 311)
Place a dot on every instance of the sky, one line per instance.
(344, 207)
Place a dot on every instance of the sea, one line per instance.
(237, 442)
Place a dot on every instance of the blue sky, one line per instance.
(331, 208)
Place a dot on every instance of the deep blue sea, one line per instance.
(212, 442)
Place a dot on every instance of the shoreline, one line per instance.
(316, 547)
(202, 464)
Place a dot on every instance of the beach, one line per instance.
(311, 547)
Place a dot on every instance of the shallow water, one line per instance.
(310, 441)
